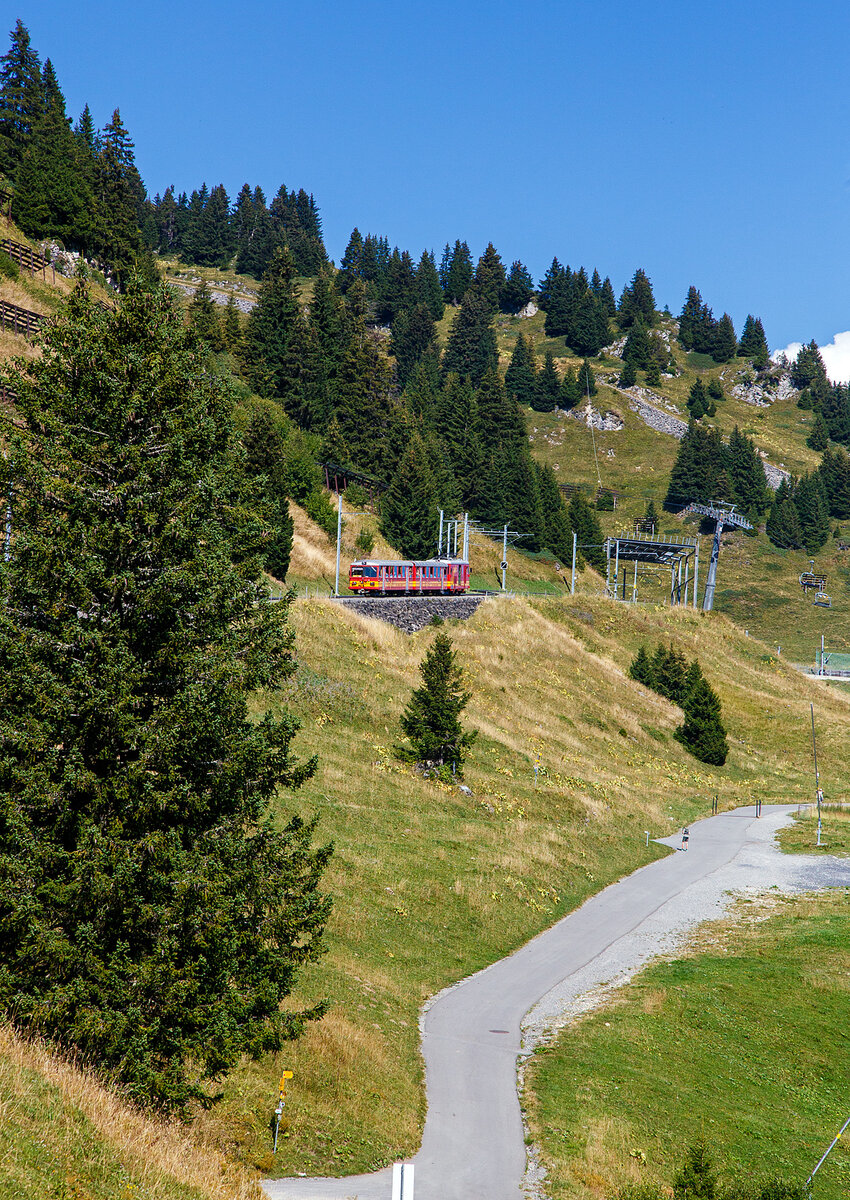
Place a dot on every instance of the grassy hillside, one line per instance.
(739, 1043)
(430, 885)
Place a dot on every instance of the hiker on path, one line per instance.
(685, 836)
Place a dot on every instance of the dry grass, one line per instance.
(157, 1155)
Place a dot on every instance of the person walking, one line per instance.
(685, 836)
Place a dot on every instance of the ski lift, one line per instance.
(822, 600)
(809, 581)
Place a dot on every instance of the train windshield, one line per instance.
(370, 572)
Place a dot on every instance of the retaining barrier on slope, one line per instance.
(20, 320)
(27, 258)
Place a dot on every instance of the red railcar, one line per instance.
(386, 576)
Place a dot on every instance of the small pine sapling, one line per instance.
(431, 720)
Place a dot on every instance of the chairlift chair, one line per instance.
(822, 600)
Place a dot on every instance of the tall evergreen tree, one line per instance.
(350, 264)
(725, 344)
(753, 343)
(490, 277)
(471, 346)
(637, 300)
(588, 530)
(409, 506)
(459, 274)
(275, 336)
(413, 337)
(21, 98)
(548, 391)
(702, 732)
(119, 195)
(637, 349)
(53, 197)
(813, 510)
(431, 720)
(518, 289)
(153, 917)
(429, 290)
(521, 375)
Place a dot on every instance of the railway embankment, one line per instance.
(411, 615)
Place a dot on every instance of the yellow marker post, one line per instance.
(281, 1104)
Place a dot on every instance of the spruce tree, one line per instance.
(459, 274)
(274, 335)
(490, 277)
(431, 720)
(818, 439)
(471, 347)
(783, 522)
(413, 337)
(53, 196)
(409, 506)
(697, 401)
(588, 530)
(813, 510)
(21, 99)
(548, 392)
(521, 376)
(636, 301)
(203, 318)
(725, 343)
(265, 455)
(628, 375)
(518, 289)
(753, 343)
(640, 668)
(153, 916)
(428, 288)
(350, 264)
(637, 349)
(702, 732)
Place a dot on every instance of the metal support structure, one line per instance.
(696, 573)
(440, 538)
(573, 575)
(504, 556)
(818, 790)
(338, 539)
(721, 515)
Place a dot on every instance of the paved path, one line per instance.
(473, 1145)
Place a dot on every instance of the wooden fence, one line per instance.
(27, 258)
(20, 320)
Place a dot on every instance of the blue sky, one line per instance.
(704, 143)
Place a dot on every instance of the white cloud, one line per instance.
(836, 356)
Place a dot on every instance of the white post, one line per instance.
(696, 572)
(402, 1181)
(573, 575)
(440, 542)
(338, 539)
(466, 537)
(504, 555)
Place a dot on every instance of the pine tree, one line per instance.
(628, 375)
(119, 192)
(834, 471)
(409, 506)
(702, 732)
(640, 668)
(153, 917)
(813, 510)
(471, 346)
(637, 349)
(429, 291)
(265, 455)
(697, 401)
(521, 375)
(586, 380)
(725, 343)
(490, 277)
(459, 274)
(637, 300)
(203, 318)
(783, 523)
(53, 197)
(548, 392)
(232, 329)
(651, 515)
(431, 720)
(818, 439)
(274, 336)
(588, 530)
(350, 265)
(670, 674)
(753, 343)
(571, 393)
(414, 337)
(21, 98)
(518, 289)
(696, 1180)
(689, 318)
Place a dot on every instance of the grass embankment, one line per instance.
(743, 1043)
(431, 885)
(64, 1135)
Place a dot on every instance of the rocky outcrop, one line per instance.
(411, 615)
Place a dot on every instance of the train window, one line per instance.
(370, 573)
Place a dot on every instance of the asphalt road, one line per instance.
(473, 1144)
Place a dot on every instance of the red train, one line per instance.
(411, 578)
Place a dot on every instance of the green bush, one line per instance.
(365, 541)
(8, 266)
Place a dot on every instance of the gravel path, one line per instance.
(474, 1034)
